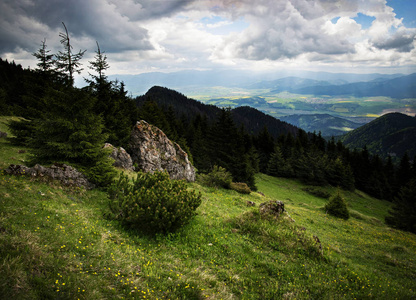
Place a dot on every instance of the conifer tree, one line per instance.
(70, 132)
(46, 61)
(403, 213)
(67, 61)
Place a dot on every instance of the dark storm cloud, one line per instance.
(114, 23)
(402, 42)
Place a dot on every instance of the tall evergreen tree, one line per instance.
(45, 59)
(403, 213)
(67, 61)
(70, 132)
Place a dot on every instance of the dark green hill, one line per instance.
(392, 134)
(252, 119)
(326, 124)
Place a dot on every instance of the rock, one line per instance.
(3, 134)
(121, 158)
(273, 208)
(250, 203)
(67, 175)
(153, 151)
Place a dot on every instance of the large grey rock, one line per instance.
(67, 175)
(121, 158)
(153, 151)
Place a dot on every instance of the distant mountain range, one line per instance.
(278, 80)
(326, 124)
(397, 87)
(392, 134)
(253, 120)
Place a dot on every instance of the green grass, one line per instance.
(56, 243)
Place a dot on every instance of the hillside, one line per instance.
(392, 134)
(253, 119)
(328, 125)
(57, 243)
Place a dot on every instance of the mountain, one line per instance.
(291, 83)
(392, 134)
(401, 87)
(138, 84)
(328, 125)
(252, 119)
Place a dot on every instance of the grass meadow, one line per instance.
(57, 243)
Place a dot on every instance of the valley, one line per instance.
(356, 98)
(355, 111)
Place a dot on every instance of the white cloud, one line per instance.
(179, 34)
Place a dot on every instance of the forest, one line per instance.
(64, 123)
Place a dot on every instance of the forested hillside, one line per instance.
(393, 134)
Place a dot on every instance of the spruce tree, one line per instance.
(46, 61)
(403, 213)
(66, 61)
(70, 132)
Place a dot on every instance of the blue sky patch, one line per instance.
(405, 9)
(364, 20)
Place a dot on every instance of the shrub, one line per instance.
(218, 177)
(152, 202)
(240, 187)
(337, 207)
(317, 192)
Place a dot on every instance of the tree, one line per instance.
(46, 61)
(403, 213)
(69, 131)
(337, 206)
(99, 65)
(67, 61)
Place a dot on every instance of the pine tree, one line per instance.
(276, 163)
(403, 213)
(337, 206)
(69, 131)
(67, 61)
(46, 61)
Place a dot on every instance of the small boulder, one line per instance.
(272, 208)
(120, 156)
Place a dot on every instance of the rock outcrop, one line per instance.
(153, 151)
(121, 158)
(272, 208)
(67, 175)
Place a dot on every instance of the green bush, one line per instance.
(318, 192)
(240, 187)
(337, 207)
(218, 177)
(152, 202)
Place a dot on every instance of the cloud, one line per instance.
(402, 41)
(285, 29)
(185, 34)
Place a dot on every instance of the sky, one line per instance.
(137, 36)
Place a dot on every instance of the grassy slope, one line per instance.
(55, 243)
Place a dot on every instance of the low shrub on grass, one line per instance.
(153, 202)
(318, 192)
(337, 207)
(240, 187)
(218, 177)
